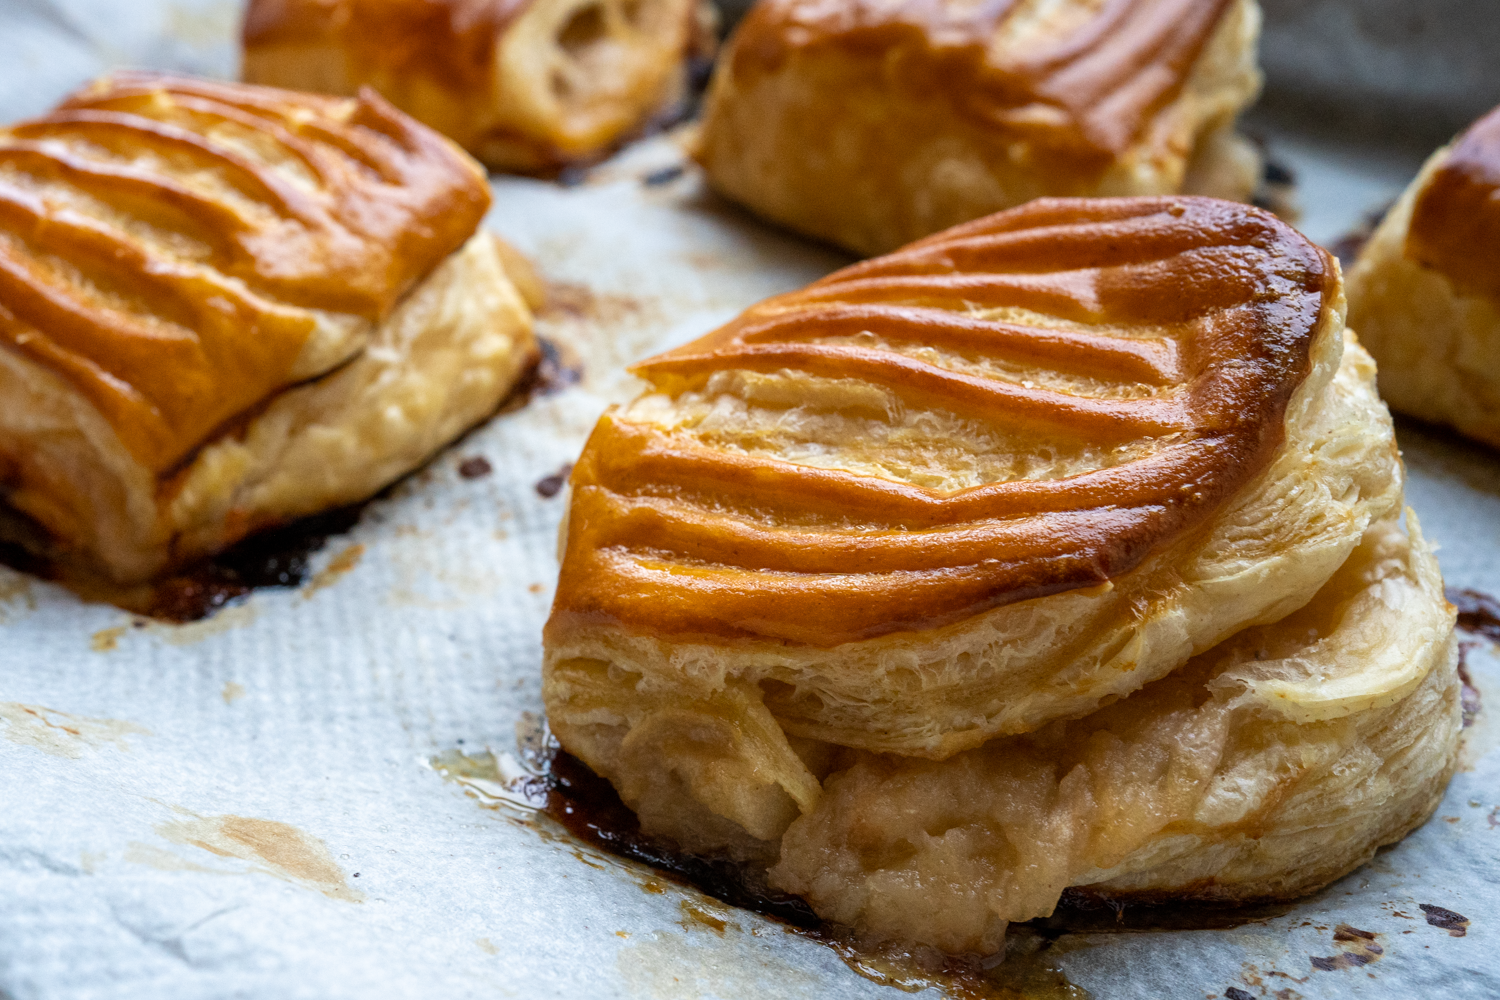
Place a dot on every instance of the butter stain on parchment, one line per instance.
(16, 596)
(107, 639)
(61, 734)
(665, 965)
(273, 848)
(226, 619)
(336, 568)
(428, 578)
(233, 692)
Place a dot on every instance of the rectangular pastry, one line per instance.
(224, 307)
(1425, 292)
(870, 124)
(523, 85)
(1057, 549)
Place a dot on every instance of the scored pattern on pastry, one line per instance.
(1170, 332)
(166, 244)
(1089, 84)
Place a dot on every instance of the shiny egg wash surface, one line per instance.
(1147, 348)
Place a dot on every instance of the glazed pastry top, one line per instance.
(1124, 365)
(1455, 223)
(178, 249)
(1086, 77)
(454, 40)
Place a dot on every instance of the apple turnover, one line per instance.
(870, 124)
(997, 498)
(223, 307)
(1425, 292)
(523, 85)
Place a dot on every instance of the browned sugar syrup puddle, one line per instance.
(1478, 614)
(550, 781)
(276, 558)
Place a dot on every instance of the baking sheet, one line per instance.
(247, 806)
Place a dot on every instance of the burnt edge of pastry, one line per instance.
(946, 51)
(650, 509)
(1455, 222)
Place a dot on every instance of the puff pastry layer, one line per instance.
(1265, 768)
(1425, 292)
(223, 307)
(521, 84)
(1058, 549)
(870, 124)
(1016, 469)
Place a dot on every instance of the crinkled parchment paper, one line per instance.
(245, 806)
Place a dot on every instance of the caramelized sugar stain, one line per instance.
(550, 486)
(697, 916)
(558, 366)
(1456, 924)
(1478, 612)
(1359, 948)
(61, 734)
(475, 467)
(1468, 693)
(275, 848)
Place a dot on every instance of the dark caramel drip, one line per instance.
(673, 536)
(173, 334)
(1090, 90)
(451, 41)
(1455, 223)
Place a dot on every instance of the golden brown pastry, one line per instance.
(1425, 292)
(892, 531)
(1264, 769)
(871, 123)
(223, 307)
(521, 84)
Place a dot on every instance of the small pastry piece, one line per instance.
(522, 84)
(1425, 292)
(870, 124)
(224, 307)
(1005, 476)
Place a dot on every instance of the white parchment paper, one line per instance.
(244, 806)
